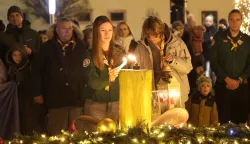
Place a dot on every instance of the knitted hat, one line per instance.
(203, 80)
(223, 21)
(13, 9)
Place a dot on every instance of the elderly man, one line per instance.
(58, 75)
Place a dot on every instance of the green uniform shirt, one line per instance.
(226, 62)
(97, 80)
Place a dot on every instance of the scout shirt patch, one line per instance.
(85, 62)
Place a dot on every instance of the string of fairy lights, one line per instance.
(244, 7)
(226, 134)
(229, 133)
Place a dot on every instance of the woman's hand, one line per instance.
(113, 73)
(168, 58)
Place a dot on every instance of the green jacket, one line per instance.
(230, 63)
(97, 80)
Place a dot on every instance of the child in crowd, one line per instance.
(43, 35)
(32, 116)
(201, 106)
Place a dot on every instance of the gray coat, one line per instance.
(180, 66)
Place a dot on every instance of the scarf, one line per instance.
(125, 42)
(67, 49)
(65, 45)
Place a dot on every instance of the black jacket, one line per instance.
(206, 45)
(25, 35)
(50, 79)
(226, 62)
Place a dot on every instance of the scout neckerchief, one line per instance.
(72, 41)
(236, 44)
(162, 48)
(167, 76)
(109, 64)
(67, 52)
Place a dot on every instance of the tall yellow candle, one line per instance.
(135, 97)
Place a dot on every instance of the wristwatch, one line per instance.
(240, 80)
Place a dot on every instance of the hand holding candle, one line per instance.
(124, 63)
(113, 73)
(169, 58)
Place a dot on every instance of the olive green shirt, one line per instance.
(97, 81)
(230, 63)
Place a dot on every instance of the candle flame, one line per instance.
(132, 57)
(174, 93)
(125, 59)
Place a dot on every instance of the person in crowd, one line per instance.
(159, 49)
(230, 60)
(3, 49)
(88, 36)
(32, 116)
(207, 39)
(190, 24)
(178, 58)
(196, 39)
(2, 26)
(43, 35)
(125, 37)
(3, 73)
(198, 60)
(21, 32)
(178, 29)
(150, 49)
(101, 71)
(9, 107)
(222, 24)
(201, 106)
(57, 75)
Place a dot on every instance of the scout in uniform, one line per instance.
(101, 69)
(230, 60)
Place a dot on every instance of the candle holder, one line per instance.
(133, 58)
(136, 66)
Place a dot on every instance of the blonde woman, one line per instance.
(125, 38)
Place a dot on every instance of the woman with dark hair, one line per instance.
(101, 72)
